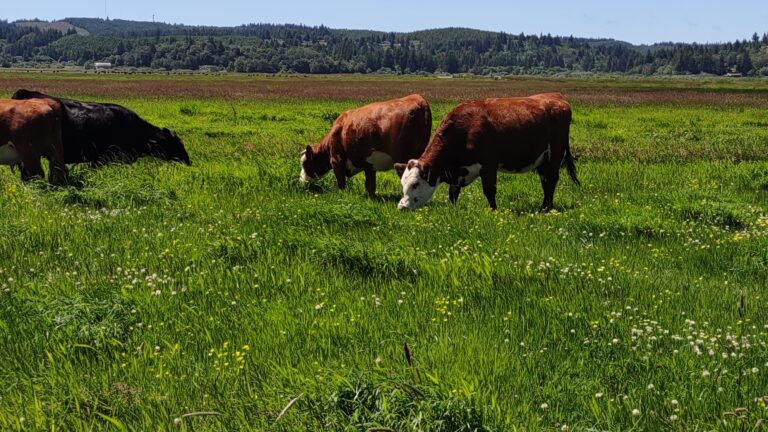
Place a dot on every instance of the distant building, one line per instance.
(102, 66)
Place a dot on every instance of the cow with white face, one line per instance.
(369, 139)
(417, 189)
(477, 139)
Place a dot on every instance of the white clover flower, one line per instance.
(651, 387)
(598, 395)
(705, 373)
(636, 412)
(544, 406)
(673, 417)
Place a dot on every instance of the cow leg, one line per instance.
(453, 193)
(489, 186)
(549, 177)
(370, 182)
(57, 172)
(340, 172)
(31, 169)
(30, 163)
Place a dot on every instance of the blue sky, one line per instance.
(638, 22)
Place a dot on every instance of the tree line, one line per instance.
(269, 48)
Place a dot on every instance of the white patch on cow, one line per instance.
(9, 155)
(380, 161)
(303, 176)
(473, 173)
(352, 169)
(416, 190)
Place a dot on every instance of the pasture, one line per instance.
(158, 296)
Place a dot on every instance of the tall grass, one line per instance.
(158, 296)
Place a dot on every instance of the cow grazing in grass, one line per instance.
(370, 139)
(478, 138)
(99, 133)
(30, 130)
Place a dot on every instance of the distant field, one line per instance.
(144, 293)
(57, 25)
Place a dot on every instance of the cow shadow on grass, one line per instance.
(74, 180)
(527, 208)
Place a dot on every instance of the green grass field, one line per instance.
(144, 297)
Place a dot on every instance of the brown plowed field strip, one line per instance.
(577, 91)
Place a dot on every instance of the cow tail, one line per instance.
(427, 122)
(569, 160)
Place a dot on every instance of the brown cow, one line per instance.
(370, 139)
(479, 138)
(29, 130)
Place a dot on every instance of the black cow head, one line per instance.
(167, 145)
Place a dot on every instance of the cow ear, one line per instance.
(400, 169)
(308, 152)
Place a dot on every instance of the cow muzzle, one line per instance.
(306, 179)
(405, 204)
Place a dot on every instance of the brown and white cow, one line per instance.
(370, 139)
(478, 138)
(30, 130)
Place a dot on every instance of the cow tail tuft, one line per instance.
(570, 165)
(569, 160)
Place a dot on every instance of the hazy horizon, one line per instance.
(687, 21)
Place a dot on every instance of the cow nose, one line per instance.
(402, 205)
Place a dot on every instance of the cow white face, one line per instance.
(303, 176)
(314, 165)
(416, 189)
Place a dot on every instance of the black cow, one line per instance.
(99, 133)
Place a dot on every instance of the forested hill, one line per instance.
(302, 49)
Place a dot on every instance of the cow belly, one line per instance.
(352, 169)
(380, 161)
(9, 155)
(468, 174)
(526, 168)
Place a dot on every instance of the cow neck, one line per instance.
(439, 159)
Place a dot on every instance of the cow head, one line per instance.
(419, 183)
(314, 164)
(167, 145)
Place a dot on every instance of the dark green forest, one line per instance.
(269, 48)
